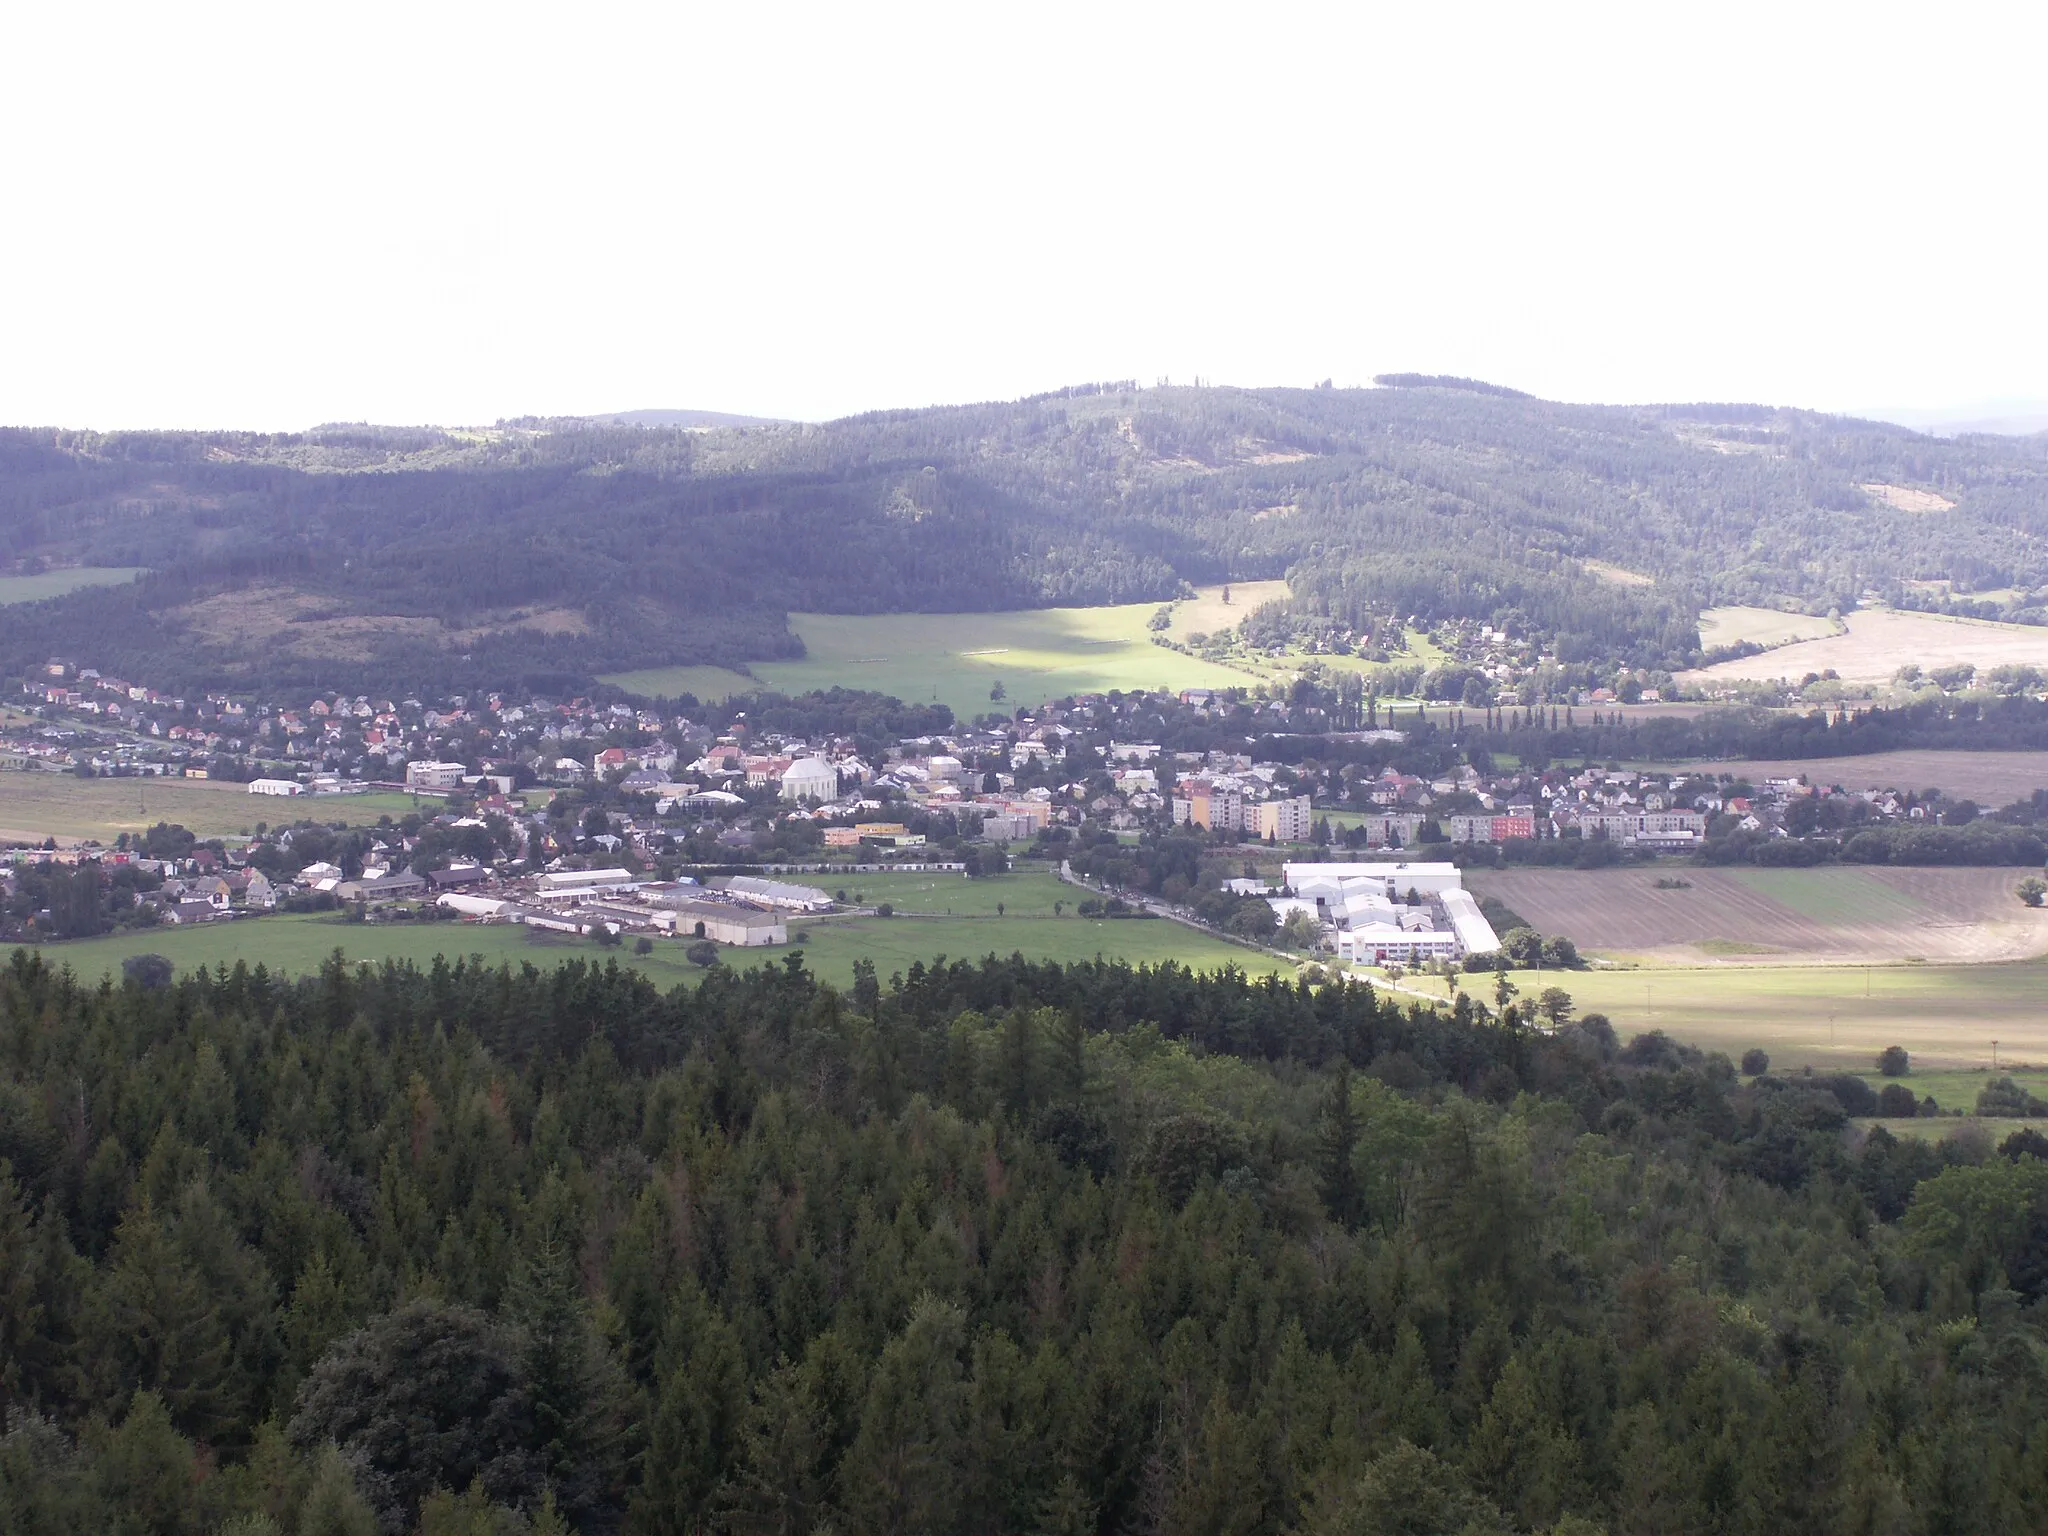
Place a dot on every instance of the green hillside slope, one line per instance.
(541, 553)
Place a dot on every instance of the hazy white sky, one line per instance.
(272, 215)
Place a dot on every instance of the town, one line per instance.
(612, 820)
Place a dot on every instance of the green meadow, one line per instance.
(30, 589)
(957, 659)
(38, 805)
(300, 944)
(1834, 1018)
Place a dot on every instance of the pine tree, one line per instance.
(333, 1505)
(696, 1417)
(1337, 1149)
(901, 1474)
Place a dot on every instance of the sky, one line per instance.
(271, 216)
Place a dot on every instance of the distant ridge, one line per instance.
(687, 419)
(1447, 381)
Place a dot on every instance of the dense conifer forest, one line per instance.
(986, 1247)
(539, 553)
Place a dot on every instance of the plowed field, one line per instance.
(1779, 916)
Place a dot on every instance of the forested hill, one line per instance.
(541, 552)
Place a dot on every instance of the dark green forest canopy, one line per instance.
(993, 1246)
(543, 552)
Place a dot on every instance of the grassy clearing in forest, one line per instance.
(32, 589)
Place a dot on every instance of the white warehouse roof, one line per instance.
(1475, 933)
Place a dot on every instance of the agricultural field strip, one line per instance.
(38, 805)
(1829, 1017)
(1875, 643)
(1761, 626)
(1991, 778)
(1845, 915)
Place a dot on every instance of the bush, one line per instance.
(703, 952)
(2005, 1098)
(1896, 1102)
(2024, 1143)
(885, 910)
(1854, 1095)
(1893, 1061)
(643, 945)
(2032, 891)
(148, 972)
(1755, 1063)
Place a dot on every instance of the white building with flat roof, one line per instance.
(1396, 879)
(1475, 933)
(276, 787)
(425, 775)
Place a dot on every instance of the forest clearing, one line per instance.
(70, 578)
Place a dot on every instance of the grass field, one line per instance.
(1760, 626)
(1027, 892)
(29, 589)
(1958, 1090)
(1846, 914)
(299, 944)
(957, 658)
(1990, 778)
(1828, 1017)
(710, 684)
(1037, 654)
(38, 805)
(1941, 1127)
(1876, 642)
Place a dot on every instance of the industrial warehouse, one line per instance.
(1382, 913)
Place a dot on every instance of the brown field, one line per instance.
(1752, 917)
(1763, 626)
(1620, 575)
(1879, 641)
(306, 624)
(1206, 612)
(1990, 778)
(1904, 498)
